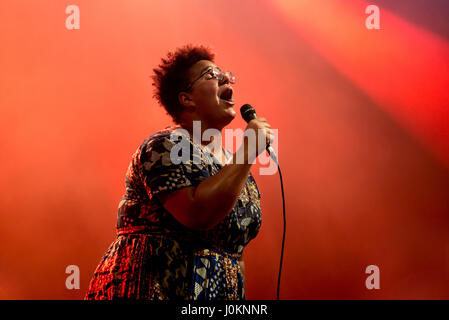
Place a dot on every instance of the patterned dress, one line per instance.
(154, 257)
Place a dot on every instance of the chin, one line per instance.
(232, 112)
(227, 118)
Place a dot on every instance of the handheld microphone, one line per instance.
(248, 113)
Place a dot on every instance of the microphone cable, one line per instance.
(283, 233)
(248, 113)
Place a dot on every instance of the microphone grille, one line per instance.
(248, 113)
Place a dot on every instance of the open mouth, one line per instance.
(227, 94)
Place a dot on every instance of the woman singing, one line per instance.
(182, 226)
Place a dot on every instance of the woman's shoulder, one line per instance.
(159, 145)
(163, 139)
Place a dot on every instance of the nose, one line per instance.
(226, 78)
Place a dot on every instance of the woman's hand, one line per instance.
(258, 135)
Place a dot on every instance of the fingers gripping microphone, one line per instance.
(248, 113)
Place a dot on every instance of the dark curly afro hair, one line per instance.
(171, 76)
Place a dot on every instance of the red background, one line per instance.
(363, 136)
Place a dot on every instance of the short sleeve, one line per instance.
(165, 171)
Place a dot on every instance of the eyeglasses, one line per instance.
(214, 73)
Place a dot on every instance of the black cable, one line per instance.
(283, 235)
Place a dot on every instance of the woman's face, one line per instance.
(212, 99)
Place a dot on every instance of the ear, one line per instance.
(186, 100)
